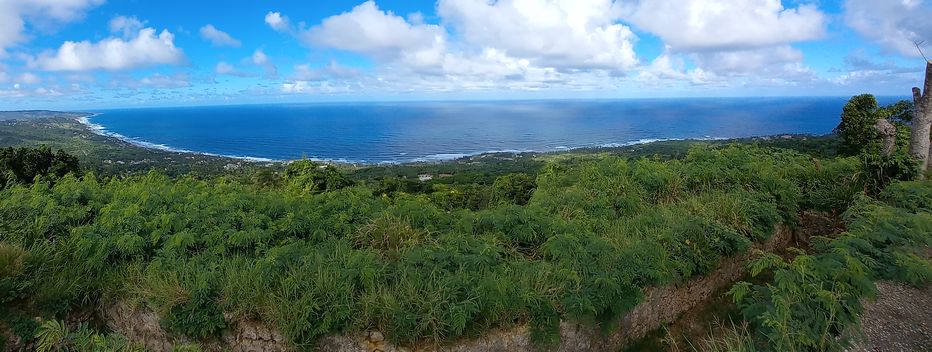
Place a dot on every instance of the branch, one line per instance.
(917, 96)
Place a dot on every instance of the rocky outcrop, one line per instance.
(142, 325)
(661, 305)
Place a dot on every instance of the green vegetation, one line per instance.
(815, 298)
(316, 249)
(859, 137)
(857, 124)
(317, 262)
(23, 165)
(106, 155)
(53, 335)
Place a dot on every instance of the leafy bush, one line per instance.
(513, 189)
(858, 119)
(814, 299)
(318, 255)
(23, 165)
(880, 171)
(53, 335)
(314, 178)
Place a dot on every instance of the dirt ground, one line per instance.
(899, 320)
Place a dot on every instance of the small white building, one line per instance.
(425, 177)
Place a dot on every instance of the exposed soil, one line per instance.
(899, 320)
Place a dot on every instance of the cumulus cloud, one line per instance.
(368, 30)
(566, 34)
(145, 49)
(724, 24)
(277, 21)
(127, 26)
(895, 25)
(669, 67)
(259, 58)
(540, 44)
(781, 64)
(218, 37)
(15, 13)
(747, 62)
(861, 70)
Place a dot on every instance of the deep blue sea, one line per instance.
(431, 131)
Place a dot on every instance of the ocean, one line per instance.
(434, 131)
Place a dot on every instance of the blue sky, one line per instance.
(86, 54)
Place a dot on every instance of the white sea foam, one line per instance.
(101, 130)
(433, 158)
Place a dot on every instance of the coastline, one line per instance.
(102, 131)
(441, 158)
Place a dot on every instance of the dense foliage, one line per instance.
(318, 255)
(23, 165)
(860, 115)
(816, 298)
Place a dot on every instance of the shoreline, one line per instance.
(426, 160)
(100, 130)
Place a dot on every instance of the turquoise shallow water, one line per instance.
(427, 131)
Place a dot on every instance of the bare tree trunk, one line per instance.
(888, 131)
(922, 121)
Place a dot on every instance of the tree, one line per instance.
(922, 121)
(861, 128)
(315, 178)
(22, 165)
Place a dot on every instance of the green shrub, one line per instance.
(513, 189)
(314, 178)
(814, 299)
(319, 256)
(23, 165)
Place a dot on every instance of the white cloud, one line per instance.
(568, 44)
(894, 24)
(368, 30)
(51, 91)
(161, 81)
(668, 67)
(146, 49)
(27, 78)
(259, 58)
(576, 39)
(127, 26)
(861, 70)
(754, 62)
(565, 34)
(724, 24)
(224, 68)
(156, 80)
(331, 71)
(218, 37)
(15, 13)
(277, 21)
